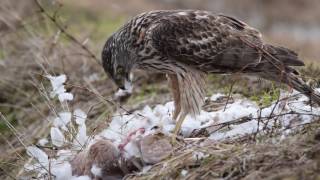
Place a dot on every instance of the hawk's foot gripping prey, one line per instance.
(188, 44)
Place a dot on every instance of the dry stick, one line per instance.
(229, 95)
(274, 107)
(271, 113)
(283, 108)
(247, 118)
(259, 119)
(63, 31)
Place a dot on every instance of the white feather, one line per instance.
(97, 171)
(43, 141)
(38, 154)
(57, 81)
(65, 97)
(58, 89)
(80, 178)
(57, 137)
(62, 120)
(62, 171)
(80, 116)
(81, 137)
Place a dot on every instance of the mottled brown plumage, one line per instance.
(187, 45)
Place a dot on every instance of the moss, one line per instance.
(265, 98)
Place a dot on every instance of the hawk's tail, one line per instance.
(298, 84)
(283, 58)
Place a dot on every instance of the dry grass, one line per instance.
(31, 45)
(295, 157)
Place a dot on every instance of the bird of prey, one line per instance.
(189, 44)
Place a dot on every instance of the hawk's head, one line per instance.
(117, 62)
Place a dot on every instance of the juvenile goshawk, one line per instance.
(188, 44)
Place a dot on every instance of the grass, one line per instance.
(11, 117)
(293, 158)
(31, 50)
(266, 97)
(147, 91)
(264, 92)
(98, 25)
(225, 158)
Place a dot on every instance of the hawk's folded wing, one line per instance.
(206, 41)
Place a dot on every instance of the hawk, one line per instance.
(189, 44)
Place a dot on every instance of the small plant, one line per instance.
(267, 97)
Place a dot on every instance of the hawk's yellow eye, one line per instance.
(120, 70)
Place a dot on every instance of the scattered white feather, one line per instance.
(215, 97)
(95, 170)
(58, 89)
(62, 120)
(43, 141)
(81, 137)
(197, 155)
(184, 172)
(80, 178)
(65, 97)
(39, 155)
(57, 81)
(127, 129)
(80, 116)
(122, 125)
(61, 171)
(65, 155)
(57, 137)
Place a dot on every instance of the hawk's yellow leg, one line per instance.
(177, 128)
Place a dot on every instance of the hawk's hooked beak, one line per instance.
(125, 83)
(125, 90)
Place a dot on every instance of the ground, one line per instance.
(32, 46)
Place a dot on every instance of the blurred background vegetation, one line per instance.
(31, 43)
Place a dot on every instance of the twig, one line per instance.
(248, 118)
(259, 119)
(229, 94)
(63, 31)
